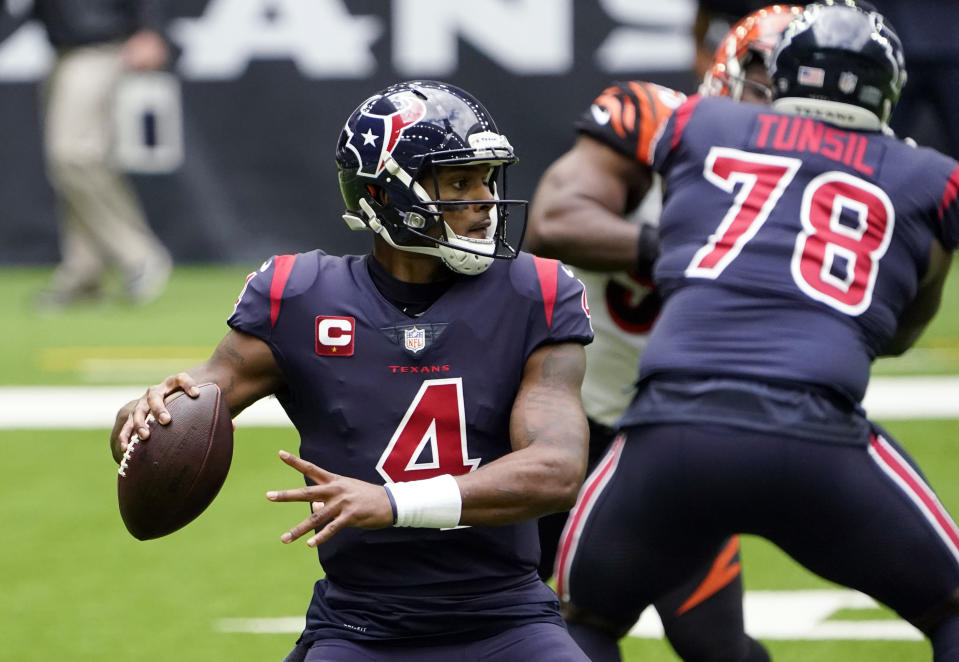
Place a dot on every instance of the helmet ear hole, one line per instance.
(378, 194)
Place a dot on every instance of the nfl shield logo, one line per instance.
(847, 82)
(414, 340)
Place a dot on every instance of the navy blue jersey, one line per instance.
(789, 247)
(380, 396)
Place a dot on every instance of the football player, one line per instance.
(797, 244)
(435, 384)
(591, 211)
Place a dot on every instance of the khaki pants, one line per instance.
(101, 222)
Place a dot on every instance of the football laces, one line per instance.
(124, 463)
(134, 440)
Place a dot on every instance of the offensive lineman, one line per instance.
(796, 246)
(583, 214)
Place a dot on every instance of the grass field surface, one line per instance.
(77, 587)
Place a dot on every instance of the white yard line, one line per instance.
(92, 407)
(786, 615)
(801, 615)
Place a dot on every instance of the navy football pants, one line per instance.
(665, 496)
(702, 617)
(534, 642)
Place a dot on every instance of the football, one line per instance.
(165, 481)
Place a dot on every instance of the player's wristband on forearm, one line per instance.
(434, 503)
(389, 495)
(647, 250)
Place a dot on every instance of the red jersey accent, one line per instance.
(949, 195)
(281, 274)
(683, 113)
(547, 270)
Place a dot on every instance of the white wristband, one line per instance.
(434, 503)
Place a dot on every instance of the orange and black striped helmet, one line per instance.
(753, 36)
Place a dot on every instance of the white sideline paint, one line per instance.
(798, 615)
(280, 625)
(92, 407)
(787, 615)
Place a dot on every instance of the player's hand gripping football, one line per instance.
(132, 417)
(336, 501)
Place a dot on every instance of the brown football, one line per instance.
(168, 479)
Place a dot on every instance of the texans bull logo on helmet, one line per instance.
(376, 136)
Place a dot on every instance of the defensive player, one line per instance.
(585, 213)
(797, 244)
(435, 384)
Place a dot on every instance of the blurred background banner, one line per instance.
(234, 161)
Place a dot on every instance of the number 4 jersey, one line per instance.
(381, 396)
(790, 247)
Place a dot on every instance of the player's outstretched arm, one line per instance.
(577, 211)
(549, 436)
(918, 314)
(241, 365)
(336, 502)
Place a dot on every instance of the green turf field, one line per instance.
(77, 587)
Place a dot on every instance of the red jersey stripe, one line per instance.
(548, 272)
(683, 113)
(949, 195)
(282, 266)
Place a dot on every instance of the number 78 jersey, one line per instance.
(790, 247)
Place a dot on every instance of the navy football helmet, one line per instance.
(391, 144)
(840, 62)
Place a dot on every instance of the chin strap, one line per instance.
(463, 262)
(460, 261)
